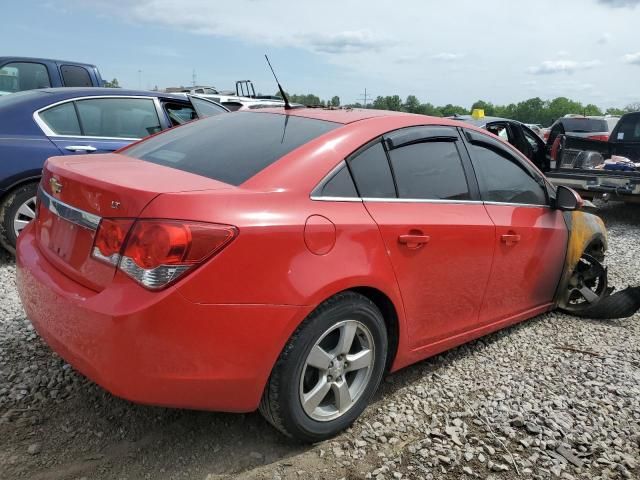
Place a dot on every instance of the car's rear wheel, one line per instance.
(329, 369)
(16, 211)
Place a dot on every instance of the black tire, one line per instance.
(621, 304)
(8, 210)
(281, 404)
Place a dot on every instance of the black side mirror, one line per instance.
(568, 199)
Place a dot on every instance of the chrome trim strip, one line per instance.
(422, 200)
(67, 212)
(335, 199)
(50, 133)
(507, 204)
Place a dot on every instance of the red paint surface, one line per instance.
(210, 340)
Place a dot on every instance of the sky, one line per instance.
(454, 51)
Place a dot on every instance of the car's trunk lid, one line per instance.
(76, 193)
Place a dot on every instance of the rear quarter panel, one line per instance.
(22, 158)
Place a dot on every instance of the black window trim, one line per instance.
(46, 69)
(474, 137)
(316, 193)
(49, 132)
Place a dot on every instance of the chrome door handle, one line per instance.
(413, 240)
(81, 148)
(510, 238)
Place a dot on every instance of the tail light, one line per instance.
(602, 138)
(155, 253)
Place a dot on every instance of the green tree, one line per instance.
(112, 84)
(449, 110)
(412, 104)
(488, 107)
(632, 107)
(335, 101)
(615, 111)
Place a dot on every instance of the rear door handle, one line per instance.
(510, 238)
(81, 148)
(414, 240)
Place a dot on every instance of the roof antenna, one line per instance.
(287, 105)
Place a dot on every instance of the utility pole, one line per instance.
(194, 77)
(139, 79)
(365, 98)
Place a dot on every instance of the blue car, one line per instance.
(38, 124)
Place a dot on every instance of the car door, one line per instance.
(99, 124)
(418, 186)
(530, 236)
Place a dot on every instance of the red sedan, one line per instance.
(286, 259)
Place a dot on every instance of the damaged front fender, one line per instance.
(587, 235)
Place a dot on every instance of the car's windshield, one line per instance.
(232, 147)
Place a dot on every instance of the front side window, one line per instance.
(19, 76)
(118, 117)
(62, 119)
(372, 174)
(74, 76)
(502, 179)
(230, 148)
(429, 170)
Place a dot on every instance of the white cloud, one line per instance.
(447, 57)
(633, 58)
(605, 38)
(344, 42)
(549, 67)
(620, 3)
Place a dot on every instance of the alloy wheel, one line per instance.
(587, 285)
(337, 370)
(25, 214)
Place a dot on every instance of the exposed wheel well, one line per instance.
(596, 249)
(390, 315)
(17, 185)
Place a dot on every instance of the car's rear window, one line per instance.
(585, 125)
(231, 147)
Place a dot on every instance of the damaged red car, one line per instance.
(286, 259)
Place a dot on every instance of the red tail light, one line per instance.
(157, 252)
(602, 138)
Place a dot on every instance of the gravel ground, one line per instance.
(554, 397)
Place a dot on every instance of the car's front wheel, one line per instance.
(17, 209)
(329, 369)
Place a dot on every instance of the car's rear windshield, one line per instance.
(585, 125)
(231, 147)
(628, 129)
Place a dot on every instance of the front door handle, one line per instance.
(510, 238)
(414, 240)
(81, 148)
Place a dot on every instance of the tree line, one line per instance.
(533, 110)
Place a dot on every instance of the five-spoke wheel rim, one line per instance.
(337, 370)
(587, 285)
(24, 215)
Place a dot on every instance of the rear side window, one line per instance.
(118, 117)
(19, 76)
(62, 119)
(503, 180)
(372, 174)
(340, 185)
(628, 129)
(74, 76)
(430, 170)
(230, 148)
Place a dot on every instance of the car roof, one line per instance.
(46, 96)
(480, 122)
(337, 115)
(41, 60)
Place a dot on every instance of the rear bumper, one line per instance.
(597, 182)
(155, 347)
